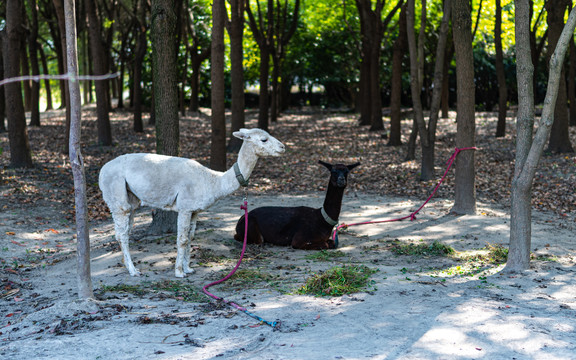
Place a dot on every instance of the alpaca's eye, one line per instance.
(264, 140)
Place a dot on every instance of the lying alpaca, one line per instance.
(177, 184)
(302, 227)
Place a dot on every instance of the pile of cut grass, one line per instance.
(338, 281)
(422, 249)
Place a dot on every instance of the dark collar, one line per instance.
(239, 177)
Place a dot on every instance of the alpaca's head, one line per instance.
(262, 143)
(339, 173)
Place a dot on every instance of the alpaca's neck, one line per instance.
(247, 160)
(333, 201)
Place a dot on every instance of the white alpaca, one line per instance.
(177, 184)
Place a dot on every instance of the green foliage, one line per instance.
(338, 281)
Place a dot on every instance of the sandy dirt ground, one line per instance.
(415, 307)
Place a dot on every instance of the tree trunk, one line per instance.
(47, 86)
(85, 290)
(398, 50)
(529, 148)
(572, 83)
(236, 32)
(560, 135)
(20, 152)
(33, 49)
(100, 68)
(428, 157)
(500, 74)
(62, 68)
(264, 99)
(2, 92)
(218, 144)
(139, 54)
(465, 190)
(165, 82)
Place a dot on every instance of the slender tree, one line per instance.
(85, 290)
(500, 73)
(35, 68)
(235, 29)
(100, 63)
(262, 31)
(465, 190)
(560, 135)
(529, 147)
(398, 50)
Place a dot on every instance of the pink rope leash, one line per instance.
(412, 216)
(274, 324)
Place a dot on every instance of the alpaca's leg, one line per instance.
(182, 241)
(187, 268)
(122, 226)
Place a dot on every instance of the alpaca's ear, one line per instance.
(350, 167)
(242, 134)
(328, 166)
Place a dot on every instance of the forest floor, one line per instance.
(416, 306)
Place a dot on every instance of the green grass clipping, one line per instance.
(338, 281)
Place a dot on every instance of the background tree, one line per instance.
(165, 79)
(218, 144)
(500, 73)
(284, 28)
(235, 27)
(261, 28)
(20, 152)
(465, 189)
(371, 28)
(399, 48)
(34, 66)
(99, 58)
(529, 148)
(559, 136)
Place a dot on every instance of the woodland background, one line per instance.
(170, 57)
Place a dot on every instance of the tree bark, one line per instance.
(528, 148)
(236, 33)
(218, 144)
(100, 64)
(62, 68)
(165, 82)
(85, 290)
(500, 74)
(20, 152)
(560, 135)
(465, 190)
(35, 68)
(139, 54)
(398, 50)
(2, 92)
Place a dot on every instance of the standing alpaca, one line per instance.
(177, 184)
(302, 227)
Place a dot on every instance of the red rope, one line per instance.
(412, 216)
(205, 288)
(274, 324)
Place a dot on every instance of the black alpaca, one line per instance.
(301, 227)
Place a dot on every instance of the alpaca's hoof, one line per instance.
(189, 270)
(135, 273)
(180, 274)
